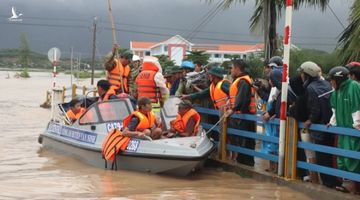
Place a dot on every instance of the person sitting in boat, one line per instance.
(75, 111)
(186, 123)
(142, 122)
(105, 91)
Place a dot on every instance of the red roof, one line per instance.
(142, 45)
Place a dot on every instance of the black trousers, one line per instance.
(244, 142)
(325, 159)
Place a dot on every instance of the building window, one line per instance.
(147, 53)
(244, 56)
(165, 48)
(217, 55)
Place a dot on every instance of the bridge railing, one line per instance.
(291, 146)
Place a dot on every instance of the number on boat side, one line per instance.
(117, 125)
(133, 145)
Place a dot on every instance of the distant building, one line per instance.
(176, 48)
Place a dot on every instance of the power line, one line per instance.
(337, 18)
(147, 33)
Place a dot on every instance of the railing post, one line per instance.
(291, 138)
(63, 94)
(73, 91)
(84, 90)
(222, 146)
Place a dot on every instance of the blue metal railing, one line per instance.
(303, 145)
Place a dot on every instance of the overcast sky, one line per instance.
(66, 23)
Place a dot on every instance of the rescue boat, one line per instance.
(83, 140)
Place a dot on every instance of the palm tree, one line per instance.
(349, 41)
(266, 14)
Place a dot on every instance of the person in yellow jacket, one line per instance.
(142, 122)
(186, 123)
(151, 83)
(118, 70)
(75, 111)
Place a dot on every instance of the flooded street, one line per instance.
(27, 172)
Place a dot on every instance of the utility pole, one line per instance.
(71, 65)
(93, 51)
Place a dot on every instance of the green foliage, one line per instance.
(322, 58)
(255, 66)
(165, 62)
(198, 56)
(84, 74)
(24, 73)
(349, 42)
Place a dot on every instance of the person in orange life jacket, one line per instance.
(218, 92)
(142, 122)
(186, 123)
(241, 97)
(218, 89)
(151, 83)
(75, 111)
(118, 70)
(105, 91)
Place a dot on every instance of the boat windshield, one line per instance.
(115, 110)
(169, 111)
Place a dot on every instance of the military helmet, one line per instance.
(339, 74)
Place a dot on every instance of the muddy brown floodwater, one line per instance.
(28, 172)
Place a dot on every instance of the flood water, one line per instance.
(28, 172)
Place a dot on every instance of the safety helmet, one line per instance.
(187, 65)
(310, 68)
(127, 54)
(275, 61)
(339, 74)
(135, 58)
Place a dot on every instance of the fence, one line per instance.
(291, 146)
(69, 93)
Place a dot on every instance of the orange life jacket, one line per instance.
(107, 95)
(179, 124)
(218, 96)
(114, 76)
(145, 122)
(234, 91)
(113, 143)
(146, 85)
(72, 116)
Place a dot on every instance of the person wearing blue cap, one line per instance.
(186, 67)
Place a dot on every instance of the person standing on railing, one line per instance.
(346, 104)
(318, 111)
(242, 100)
(118, 70)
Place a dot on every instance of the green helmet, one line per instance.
(127, 54)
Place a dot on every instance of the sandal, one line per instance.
(342, 189)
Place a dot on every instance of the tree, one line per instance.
(165, 62)
(349, 42)
(198, 56)
(24, 55)
(265, 16)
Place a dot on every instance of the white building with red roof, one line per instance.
(177, 47)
